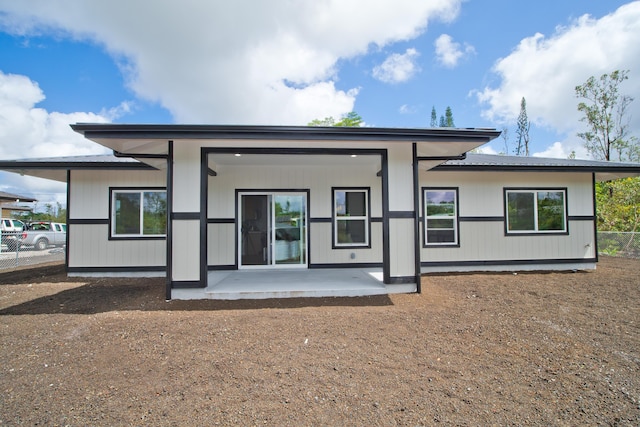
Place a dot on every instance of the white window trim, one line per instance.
(454, 217)
(140, 235)
(535, 192)
(366, 218)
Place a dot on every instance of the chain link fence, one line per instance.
(618, 243)
(13, 254)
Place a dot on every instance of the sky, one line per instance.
(287, 62)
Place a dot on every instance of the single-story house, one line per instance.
(10, 204)
(310, 211)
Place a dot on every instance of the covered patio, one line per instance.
(302, 283)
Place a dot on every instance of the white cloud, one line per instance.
(30, 132)
(398, 68)
(449, 53)
(270, 62)
(407, 109)
(546, 70)
(565, 149)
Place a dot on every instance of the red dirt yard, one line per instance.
(472, 349)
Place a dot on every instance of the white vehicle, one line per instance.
(11, 231)
(41, 235)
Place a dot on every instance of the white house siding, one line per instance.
(186, 250)
(318, 180)
(89, 244)
(481, 194)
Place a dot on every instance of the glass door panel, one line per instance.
(255, 229)
(290, 229)
(273, 230)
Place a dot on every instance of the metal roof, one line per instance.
(489, 162)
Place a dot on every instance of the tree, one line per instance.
(618, 205)
(522, 131)
(448, 118)
(607, 135)
(351, 119)
(505, 137)
(434, 117)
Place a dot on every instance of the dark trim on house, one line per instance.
(221, 267)
(581, 218)
(203, 244)
(445, 158)
(187, 284)
(386, 238)
(88, 221)
(173, 131)
(347, 265)
(185, 216)
(334, 244)
(211, 172)
(402, 280)
(169, 246)
(376, 219)
(66, 237)
(477, 263)
(221, 221)
(415, 164)
(140, 155)
(481, 218)
(402, 214)
(115, 269)
(50, 164)
(320, 220)
(595, 215)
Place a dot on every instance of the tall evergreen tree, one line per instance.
(449, 118)
(434, 117)
(522, 132)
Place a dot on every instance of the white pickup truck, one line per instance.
(41, 235)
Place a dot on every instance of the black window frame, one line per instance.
(536, 231)
(112, 220)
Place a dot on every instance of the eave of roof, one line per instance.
(106, 161)
(487, 162)
(177, 131)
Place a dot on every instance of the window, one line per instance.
(138, 213)
(351, 222)
(536, 211)
(441, 216)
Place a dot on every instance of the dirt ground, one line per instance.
(481, 349)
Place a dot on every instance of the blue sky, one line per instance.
(288, 62)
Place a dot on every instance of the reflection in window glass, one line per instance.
(441, 212)
(535, 211)
(139, 213)
(351, 220)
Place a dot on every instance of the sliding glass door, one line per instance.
(273, 229)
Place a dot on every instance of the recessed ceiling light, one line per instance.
(354, 155)
(237, 154)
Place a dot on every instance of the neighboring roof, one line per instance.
(487, 162)
(10, 197)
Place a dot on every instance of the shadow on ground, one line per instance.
(100, 295)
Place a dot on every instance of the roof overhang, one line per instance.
(143, 142)
(604, 171)
(56, 168)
